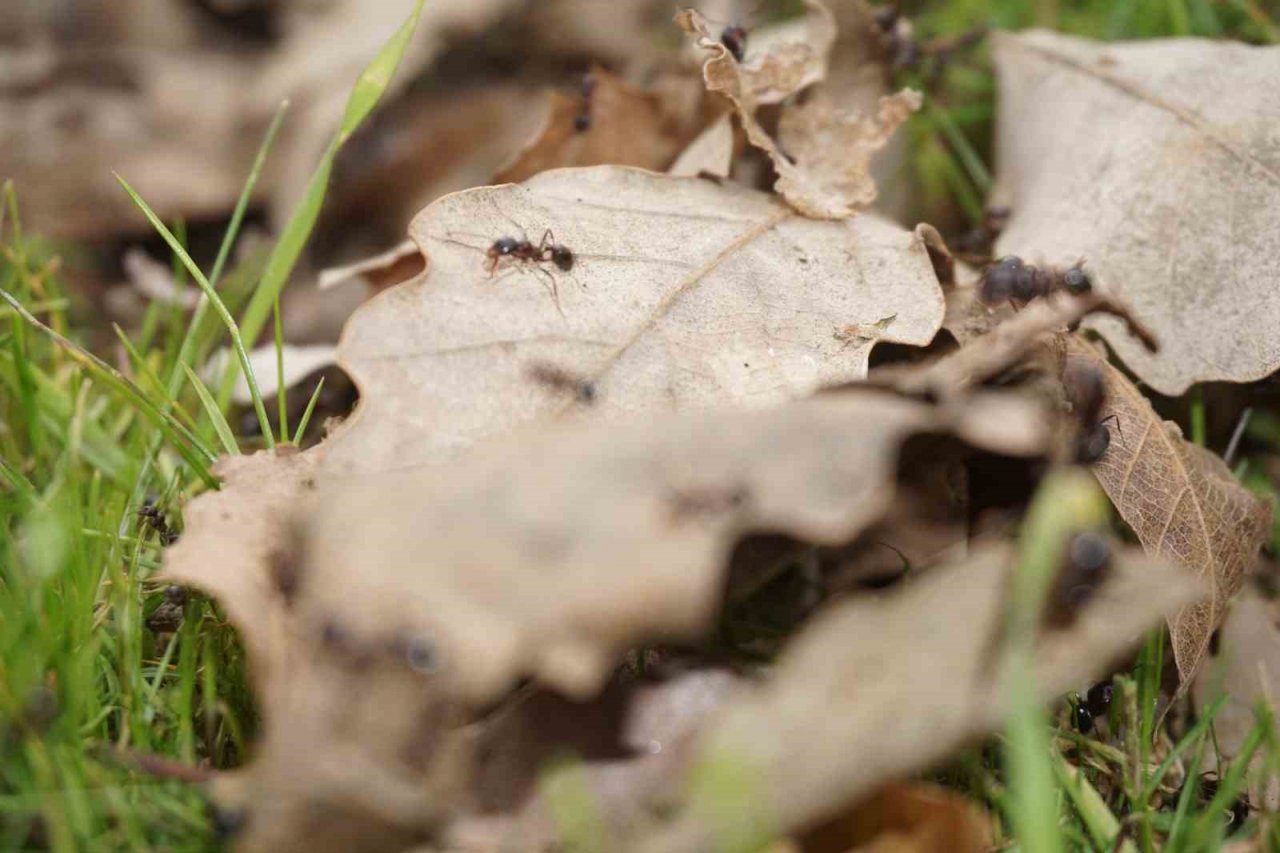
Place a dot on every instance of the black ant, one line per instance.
(153, 517)
(582, 121)
(1012, 280)
(584, 391)
(1086, 565)
(1093, 706)
(1087, 392)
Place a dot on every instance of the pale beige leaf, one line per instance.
(877, 689)
(682, 294)
(1182, 502)
(1156, 162)
(299, 361)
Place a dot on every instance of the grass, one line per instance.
(87, 687)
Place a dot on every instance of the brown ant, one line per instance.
(152, 517)
(1086, 565)
(582, 121)
(547, 250)
(558, 379)
(1087, 392)
(1012, 280)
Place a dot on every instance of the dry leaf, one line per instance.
(682, 293)
(1155, 161)
(608, 123)
(710, 154)
(1182, 502)
(914, 817)
(880, 688)
(823, 161)
(550, 555)
(400, 263)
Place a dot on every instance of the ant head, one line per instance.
(562, 257)
(1077, 280)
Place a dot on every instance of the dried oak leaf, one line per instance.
(825, 148)
(550, 553)
(711, 153)
(615, 124)
(877, 689)
(1183, 503)
(1156, 162)
(682, 293)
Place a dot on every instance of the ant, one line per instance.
(153, 517)
(1087, 392)
(582, 121)
(547, 250)
(584, 391)
(1012, 280)
(1094, 705)
(1086, 565)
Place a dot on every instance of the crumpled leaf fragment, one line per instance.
(711, 153)
(1181, 501)
(864, 694)
(299, 361)
(612, 123)
(826, 144)
(1156, 162)
(682, 294)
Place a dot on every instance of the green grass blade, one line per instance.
(364, 97)
(282, 398)
(237, 343)
(220, 425)
(111, 378)
(306, 415)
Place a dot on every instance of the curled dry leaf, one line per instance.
(400, 263)
(681, 293)
(608, 122)
(824, 153)
(1156, 162)
(550, 555)
(1183, 503)
(877, 689)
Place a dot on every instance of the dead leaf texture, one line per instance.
(1182, 502)
(823, 161)
(613, 123)
(498, 556)
(1157, 163)
(880, 688)
(420, 594)
(681, 294)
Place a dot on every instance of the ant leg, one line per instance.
(1116, 420)
(551, 287)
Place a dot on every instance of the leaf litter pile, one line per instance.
(692, 501)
